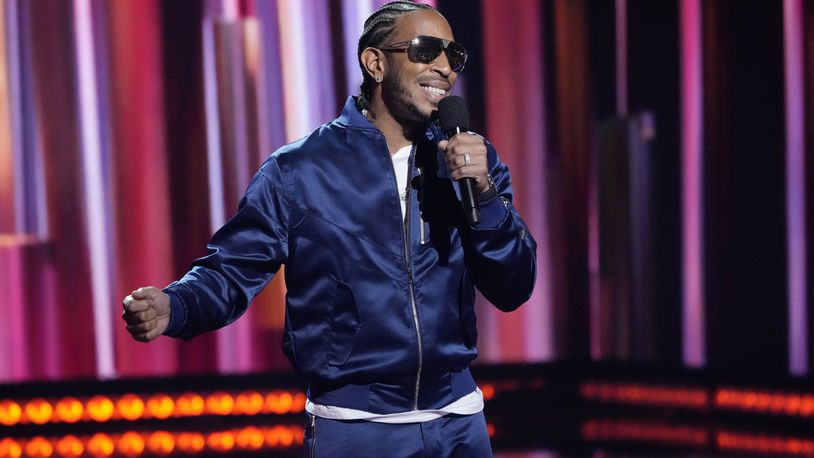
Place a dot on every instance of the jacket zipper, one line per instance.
(313, 436)
(408, 266)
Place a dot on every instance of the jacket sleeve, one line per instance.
(243, 255)
(502, 251)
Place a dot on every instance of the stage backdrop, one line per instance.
(659, 154)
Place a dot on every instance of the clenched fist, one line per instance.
(147, 313)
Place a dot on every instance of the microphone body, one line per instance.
(454, 119)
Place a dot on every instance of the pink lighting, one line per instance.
(621, 57)
(793, 15)
(217, 215)
(516, 128)
(129, 130)
(295, 70)
(692, 183)
(94, 191)
(7, 175)
(353, 19)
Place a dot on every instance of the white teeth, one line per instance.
(434, 90)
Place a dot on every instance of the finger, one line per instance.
(465, 140)
(442, 145)
(474, 139)
(137, 306)
(467, 159)
(147, 292)
(469, 171)
(456, 148)
(126, 301)
(464, 160)
(142, 328)
(140, 317)
(147, 336)
(143, 337)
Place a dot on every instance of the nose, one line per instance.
(441, 65)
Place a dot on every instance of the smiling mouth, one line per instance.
(434, 91)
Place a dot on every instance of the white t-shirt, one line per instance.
(401, 160)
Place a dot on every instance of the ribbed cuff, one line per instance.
(178, 314)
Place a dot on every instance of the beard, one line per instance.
(400, 102)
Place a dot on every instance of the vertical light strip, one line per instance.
(594, 274)
(354, 13)
(94, 190)
(244, 164)
(515, 122)
(9, 178)
(254, 53)
(621, 57)
(12, 63)
(538, 312)
(12, 329)
(233, 348)
(214, 165)
(274, 99)
(793, 15)
(28, 138)
(296, 67)
(318, 43)
(231, 10)
(694, 339)
(595, 318)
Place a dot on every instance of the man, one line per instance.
(380, 264)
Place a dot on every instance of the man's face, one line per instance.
(411, 91)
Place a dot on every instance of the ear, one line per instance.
(373, 62)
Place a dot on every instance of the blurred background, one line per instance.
(660, 152)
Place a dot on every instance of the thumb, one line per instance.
(442, 145)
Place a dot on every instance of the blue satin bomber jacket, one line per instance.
(379, 313)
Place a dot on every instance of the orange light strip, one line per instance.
(132, 443)
(613, 430)
(493, 388)
(764, 444)
(135, 407)
(773, 402)
(641, 394)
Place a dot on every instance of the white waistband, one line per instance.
(470, 404)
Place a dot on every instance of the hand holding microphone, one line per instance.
(464, 154)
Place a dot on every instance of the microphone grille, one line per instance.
(452, 113)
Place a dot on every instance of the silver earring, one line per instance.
(378, 78)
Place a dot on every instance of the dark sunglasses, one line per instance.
(424, 50)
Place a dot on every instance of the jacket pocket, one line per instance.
(344, 327)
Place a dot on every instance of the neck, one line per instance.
(397, 134)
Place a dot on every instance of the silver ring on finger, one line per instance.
(467, 159)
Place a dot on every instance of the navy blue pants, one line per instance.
(448, 436)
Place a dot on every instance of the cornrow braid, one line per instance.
(377, 30)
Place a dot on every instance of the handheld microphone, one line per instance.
(454, 119)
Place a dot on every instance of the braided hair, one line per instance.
(377, 30)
